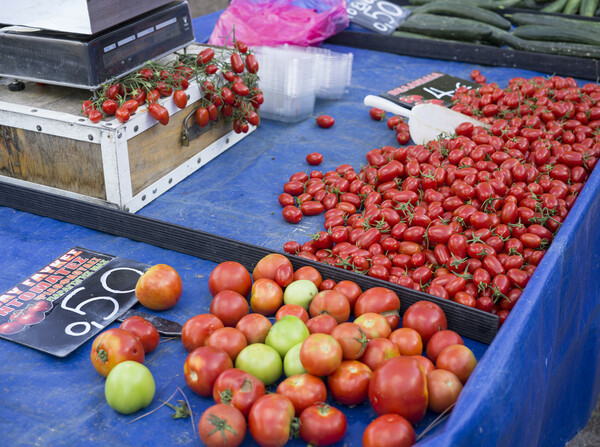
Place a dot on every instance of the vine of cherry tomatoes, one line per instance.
(229, 87)
(466, 218)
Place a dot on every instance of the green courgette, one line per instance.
(447, 27)
(556, 34)
(588, 8)
(528, 18)
(458, 9)
(555, 6)
(572, 7)
(485, 4)
(538, 46)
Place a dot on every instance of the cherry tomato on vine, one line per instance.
(325, 121)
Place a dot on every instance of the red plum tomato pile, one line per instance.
(320, 347)
(466, 218)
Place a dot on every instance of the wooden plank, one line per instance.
(49, 97)
(157, 151)
(52, 161)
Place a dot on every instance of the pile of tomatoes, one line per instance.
(321, 346)
(229, 89)
(466, 218)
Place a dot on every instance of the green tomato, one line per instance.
(285, 333)
(300, 292)
(291, 362)
(262, 361)
(129, 387)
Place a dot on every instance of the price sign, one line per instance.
(377, 15)
(437, 88)
(68, 301)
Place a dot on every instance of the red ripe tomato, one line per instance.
(222, 425)
(230, 275)
(110, 107)
(310, 273)
(268, 265)
(238, 388)
(407, 340)
(144, 330)
(350, 289)
(439, 341)
(131, 105)
(352, 339)
(255, 327)
(292, 309)
(266, 296)
(206, 55)
(377, 114)
(251, 63)
(291, 214)
(284, 276)
(114, 346)
(229, 307)
(399, 386)
(374, 325)
(159, 288)
(202, 116)
(379, 300)
(322, 425)
(303, 390)
(426, 318)
(378, 351)
(237, 64)
(324, 324)
(314, 158)
(349, 384)
(320, 354)
(180, 99)
(202, 367)
(325, 121)
(270, 419)
(443, 388)
(95, 116)
(122, 114)
(457, 359)
(425, 363)
(197, 329)
(229, 339)
(387, 430)
(332, 303)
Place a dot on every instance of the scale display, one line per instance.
(87, 61)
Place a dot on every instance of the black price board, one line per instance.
(377, 15)
(435, 87)
(68, 301)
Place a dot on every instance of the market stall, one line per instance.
(535, 384)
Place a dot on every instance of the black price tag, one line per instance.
(377, 15)
(437, 88)
(68, 301)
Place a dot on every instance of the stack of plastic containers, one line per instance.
(292, 77)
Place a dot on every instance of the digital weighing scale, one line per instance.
(57, 55)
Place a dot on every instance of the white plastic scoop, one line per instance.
(426, 122)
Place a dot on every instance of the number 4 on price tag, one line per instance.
(377, 15)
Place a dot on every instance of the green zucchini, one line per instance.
(485, 4)
(459, 9)
(588, 8)
(556, 34)
(572, 7)
(555, 6)
(528, 18)
(538, 46)
(447, 27)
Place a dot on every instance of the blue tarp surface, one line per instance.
(536, 384)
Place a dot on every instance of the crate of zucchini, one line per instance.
(527, 34)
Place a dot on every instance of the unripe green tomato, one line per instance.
(292, 365)
(129, 387)
(262, 361)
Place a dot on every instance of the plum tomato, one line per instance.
(230, 275)
(143, 330)
(114, 346)
(325, 121)
(159, 288)
(377, 114)
(129, 387)
(389, 429)
(322, 424)
(314, 158)
(303, 390)
(221, 425)
(229, 306)
(202, 367)
(197, 329)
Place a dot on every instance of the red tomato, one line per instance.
(374, 325)
(332, 303)
(303, 390)
(320, 354)
(322, 323)
(399, 386)
(291, 214)
(426, 318)
(229, 339)
(443, 388)
(387, 430)
(292, 309)
(350, 289)
(251, 63)
(310, 273)
(407, 340)
(206, 55)
(325, 121)
(230, 275)
(202, 367)
(457, 359)
(322, 425)
(255, 327)
(180, 99)
(110, 107)
(237, 64)
(377, 114)
(197, 329)
(349, 384)
(314, 158)
(439, 341)
(95, 116)
(266, 296)
(379, 300)
(378, 351)
(122, 114)
(159, 288)
(352, 339)
(144, 330)
(267, 266)
(229, 307)
(131, 105)
(202, 116)
(222, 425)
(114, 346)
(270, 419)
(425, 363)
(238, 388)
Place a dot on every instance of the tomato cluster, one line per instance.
(468, 217)
(235, 351)
(229, 87)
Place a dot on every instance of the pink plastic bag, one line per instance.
(275, 22)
